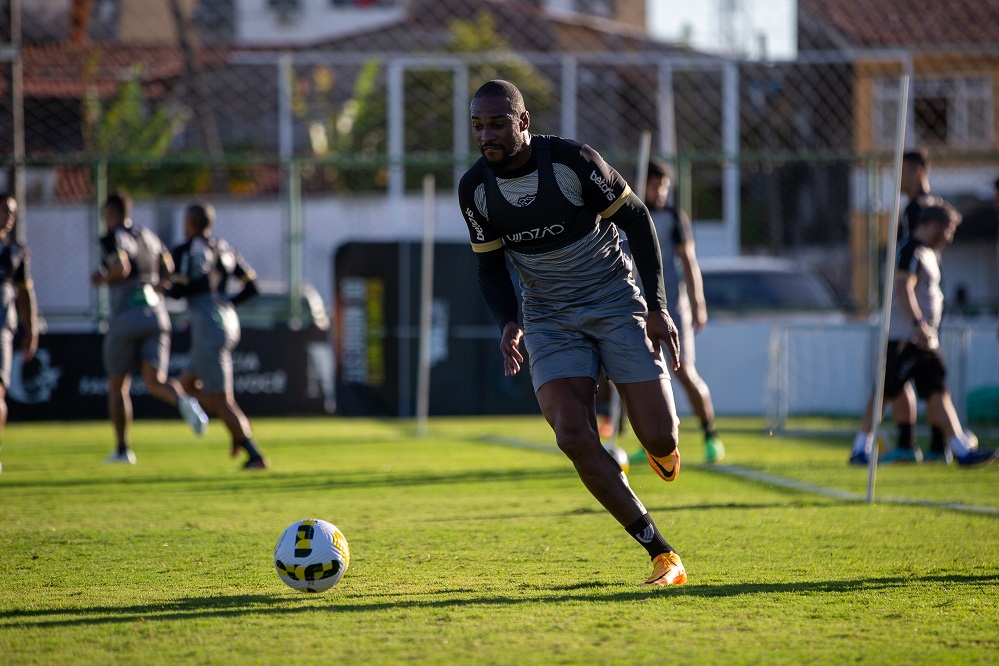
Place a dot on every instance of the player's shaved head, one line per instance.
(917, 158)
(119, 205)
(501, 88)
(201, 216)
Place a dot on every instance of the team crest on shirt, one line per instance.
(526, 200)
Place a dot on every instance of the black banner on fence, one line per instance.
(275, 373)
(377, 297)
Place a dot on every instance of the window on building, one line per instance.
(946, 111)
(602, 8)
(285, 9)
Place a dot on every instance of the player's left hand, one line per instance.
(661, 329)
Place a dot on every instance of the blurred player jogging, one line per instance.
(134, 263)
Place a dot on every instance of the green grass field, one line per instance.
(467, 549)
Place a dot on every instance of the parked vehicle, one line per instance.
(764, 285)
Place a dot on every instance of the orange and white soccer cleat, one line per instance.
(667, 570)
(667, 467)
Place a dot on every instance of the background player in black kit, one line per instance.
(18, 295)
(915, 183)
(203, 266)
(134, 263)
(552, 207)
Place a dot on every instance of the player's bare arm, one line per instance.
(28, 311)
(905, 292)
(695, 285)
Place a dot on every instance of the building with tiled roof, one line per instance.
(950, 51)
(886, 24)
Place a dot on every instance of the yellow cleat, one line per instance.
(667, 467)
(667, 570)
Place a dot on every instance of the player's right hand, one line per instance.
(509, 346)
(661, 331)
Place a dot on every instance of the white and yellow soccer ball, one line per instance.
(620, 456)
(311, 555)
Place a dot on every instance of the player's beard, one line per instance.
(508, 155)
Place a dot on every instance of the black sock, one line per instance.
(906, 437)
(250, 448)
(709, 429)
(645, 532)
(937, 441)
(122, 448)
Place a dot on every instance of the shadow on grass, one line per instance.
(319, 480)
(281, 604)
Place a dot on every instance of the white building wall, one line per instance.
(827, 367)
(306, 21)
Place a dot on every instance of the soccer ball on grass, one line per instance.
(619, 455)
(311, 555)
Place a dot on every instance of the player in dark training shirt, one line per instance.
(204, 265)
(18, 298)
(552, 206)
(913, 336)
(915, 183)
(134, 261)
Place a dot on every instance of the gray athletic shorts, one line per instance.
(136, 335)
(577, 341)
(213, 337)
(6, 354)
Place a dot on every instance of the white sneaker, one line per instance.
(963, 444)
(118, 458)
(191, 411)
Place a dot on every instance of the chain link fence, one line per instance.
(312, 122)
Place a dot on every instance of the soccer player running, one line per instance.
(134, 262)
(204, 265)
(18, 294)
(913, 342)
(684, 299)
(915, 183)
(552, 206)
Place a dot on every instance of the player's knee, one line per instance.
(662, 439)
(575, 440)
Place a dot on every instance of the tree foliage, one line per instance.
(127, 131)
(357, 128)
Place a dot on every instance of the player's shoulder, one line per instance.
(473, 176)
(574, 153)
(183, 247)
(221, 244)
(562, 147)
(151, 238)
(927, 200)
